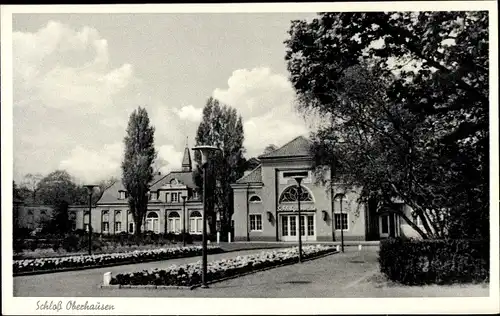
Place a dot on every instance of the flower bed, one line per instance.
(94, 261)
(190, 274)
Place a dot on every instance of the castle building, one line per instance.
(173, 202)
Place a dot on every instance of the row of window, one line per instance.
(341, 222)
(151, 223)
(173, 197)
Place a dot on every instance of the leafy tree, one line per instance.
(221, 126)
(251, 164)
(59, 190)
(30, 185)
(137, 165)
(405, 96)
(269, 148)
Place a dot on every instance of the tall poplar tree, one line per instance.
(221, 126)
(137, 165)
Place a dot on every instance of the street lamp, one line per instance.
(184, 196)
(204, 151)
(299, 180)
(90, 189)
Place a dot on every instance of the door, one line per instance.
(290, 227)
(388, 224)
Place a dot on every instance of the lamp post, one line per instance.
(184, 219)
(90, 189)
(204, 151)
(299, 181)
(341, 197)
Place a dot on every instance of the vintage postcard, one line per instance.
(291, 158)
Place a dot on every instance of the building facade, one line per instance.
(174, 205)
(266, 204)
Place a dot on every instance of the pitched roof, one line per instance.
(254, 176)
(184, 177)
(298, 147)
(111, 194)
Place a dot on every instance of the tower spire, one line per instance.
(186, 160)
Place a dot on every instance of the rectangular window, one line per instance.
(118, 227)
(192, 225)
(284, 221)
(341, 221)
(310, 225)
(256, 222)
(175, 197)
(293, 226)
(73, 225)
(153, 195)
(131, 228)
(105, 227)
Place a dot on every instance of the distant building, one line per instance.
(111, 213)
(266, 203)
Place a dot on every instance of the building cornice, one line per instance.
(286, 159)
(250, 185)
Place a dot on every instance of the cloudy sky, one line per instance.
(77, 78)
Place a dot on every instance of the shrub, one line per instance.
(70, 243)
(418, 262)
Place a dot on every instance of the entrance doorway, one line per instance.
(388, 225)
(290, 227)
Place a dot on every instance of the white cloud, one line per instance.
(255, 92)
(169, 158)
(270, 129)
(59, 67)
(190, 113)
(89, 165)
(265, 101)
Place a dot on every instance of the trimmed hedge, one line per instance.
(419, 262)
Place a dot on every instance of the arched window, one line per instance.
(291, 194)
(195, 222)
(152, 215)
(105, 221)
(152, 223)
(174, 223)
(254, 199)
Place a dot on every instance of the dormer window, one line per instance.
(175, 197)
(122, 195)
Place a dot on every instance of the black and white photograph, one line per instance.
(291, 158)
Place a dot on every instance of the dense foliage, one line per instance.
(137, 165)
(418, 262)
(221, 126)
(404, 97)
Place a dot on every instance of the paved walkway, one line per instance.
(351, 274)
